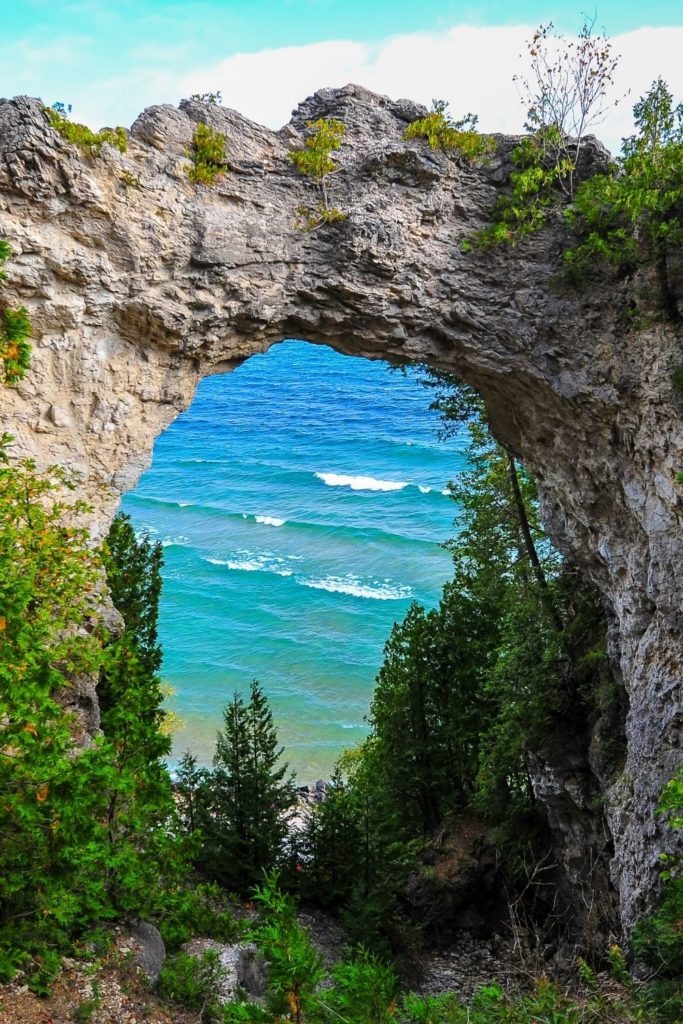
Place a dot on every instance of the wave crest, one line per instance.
(355, 587)
(270, 520)
(361, 483)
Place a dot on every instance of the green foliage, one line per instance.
(523, 209)
(187, 912)
(213, 99)
(48, 814)
(314, 160)
(449, 136)
(193, 982)
(295, 968)
(208, 154)
(510, 660)
(566, 94)
(330, 846)
(85, 828)
(364, 991)
(15, 328)
(134, 578)
(241, 806)
(85, 1010)
(130, 180)
(82, 136)
(658, 939)
(634, 215)
(246, 1013)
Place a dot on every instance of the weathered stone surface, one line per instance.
(135, 293)
(150, 951)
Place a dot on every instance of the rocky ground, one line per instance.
(115, 991)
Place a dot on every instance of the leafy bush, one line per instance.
(566, 94)
(364, 991)
(82, 136)
(193, 982)
(213, 99)
(188, 912)
(15, 328)
(658, 939)
(634, 215)
(208, 154)
(442, 132)
(85, 828)
(523, 210)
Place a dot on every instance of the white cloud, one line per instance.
(470, 67)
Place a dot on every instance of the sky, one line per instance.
(112, 58)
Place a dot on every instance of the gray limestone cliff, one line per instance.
(140, 283)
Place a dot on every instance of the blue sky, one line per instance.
(110, 59)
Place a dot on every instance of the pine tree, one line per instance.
(248, 795)
(190, 782)
(134, 578)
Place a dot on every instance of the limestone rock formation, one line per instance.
(140, 283)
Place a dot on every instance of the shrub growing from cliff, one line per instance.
(566, 94)
(443, 133)
(633, 216)
(658, 939)
(82, 136)
(15, 329)
(208, 154)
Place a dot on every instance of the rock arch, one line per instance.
(136, 288)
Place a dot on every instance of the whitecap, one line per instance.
(355, 587)
(424, 490)
(248, 562)
(361, 483)
(270, 520)
(173, 542)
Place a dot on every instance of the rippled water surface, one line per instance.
(300, 502)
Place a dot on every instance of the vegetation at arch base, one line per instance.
(15, 329)
(86, 823)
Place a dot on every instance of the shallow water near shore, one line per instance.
(301, 505)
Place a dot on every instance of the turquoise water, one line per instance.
(300, 504)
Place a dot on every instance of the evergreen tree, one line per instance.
(247, 796)
(134, 567)
(331, 845)
(189, 786)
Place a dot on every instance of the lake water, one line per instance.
(301, 505)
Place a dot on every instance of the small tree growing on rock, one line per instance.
(315, 160)
(567, 93)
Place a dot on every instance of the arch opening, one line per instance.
(301, 502)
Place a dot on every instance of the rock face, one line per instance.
(138, 283)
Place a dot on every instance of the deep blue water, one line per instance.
(300, 502)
